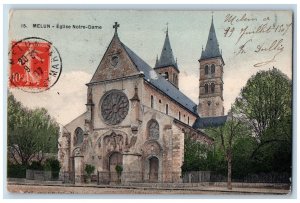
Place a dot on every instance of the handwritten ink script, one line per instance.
(262, 37)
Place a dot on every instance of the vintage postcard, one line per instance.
(159, 101)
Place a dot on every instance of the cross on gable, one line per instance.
(116, 25)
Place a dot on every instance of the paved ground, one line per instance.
(93, 189)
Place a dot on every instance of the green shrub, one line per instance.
(89, 169)
(52, 165)
(35, 165)
(119, 169)
(16, 171)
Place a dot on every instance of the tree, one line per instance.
(242, 149)
(31, 133)
(195, 155)
(225, 137)
(265, 103)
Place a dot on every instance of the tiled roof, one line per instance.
(161, 83)
(166, 56)
(212, 47)
(207, 122)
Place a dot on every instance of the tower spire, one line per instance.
(212, 47)
(166, 65)
(166, 56)
(167, 29)
(156, 62)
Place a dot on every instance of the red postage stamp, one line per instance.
(35, 65)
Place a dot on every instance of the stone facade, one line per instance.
(129, 121)
(211, 88)
(170, 73)
(167, 106)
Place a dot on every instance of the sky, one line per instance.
(250, 41)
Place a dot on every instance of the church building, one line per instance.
(136, 116)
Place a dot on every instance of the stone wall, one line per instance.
(170, 146)
(160, 102)
(173, 75)
(215, 108)
(127, 87)
(71, 127)
(38, 175)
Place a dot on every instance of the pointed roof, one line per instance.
(156, 62)
(160, 82)
(166, 56)
(114, 39)
(212, 46)
(207, 122)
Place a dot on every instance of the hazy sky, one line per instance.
(256, 38)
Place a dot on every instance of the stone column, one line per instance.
(64, 159)
(63, 152)
(135, 111)
(79, 168)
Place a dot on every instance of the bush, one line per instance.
(52, 165)
(36, 166)
(89, 169)
(119, 169)
(16, 171)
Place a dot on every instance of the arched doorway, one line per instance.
(115, 159)
(153, 169)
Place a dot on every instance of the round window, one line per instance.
(114, 107)
(114, 60)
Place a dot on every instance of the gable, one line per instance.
(115, 63)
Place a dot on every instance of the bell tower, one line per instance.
(211, 78)
(166, 64)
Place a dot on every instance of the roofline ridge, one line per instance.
(194, 113)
